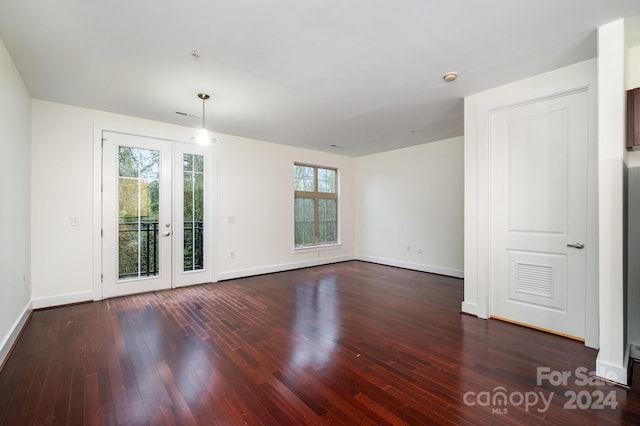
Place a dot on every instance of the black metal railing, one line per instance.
(141, 239)
(193, 246)
(138, 240)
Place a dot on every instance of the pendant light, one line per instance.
(203, 137)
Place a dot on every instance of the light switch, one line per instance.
(232, 219)
(75, 221)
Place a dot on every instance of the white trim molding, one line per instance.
(240, 273)
(612, 156)
(10, 339)
(63, 299)
(618, 374)
(456, 273)
(470, 308)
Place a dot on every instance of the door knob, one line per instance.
(578, 245)
(167, 234)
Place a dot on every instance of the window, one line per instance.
(193, 212)
(316, 205)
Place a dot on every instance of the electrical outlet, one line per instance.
(75, 221)
(408, 248)
(232, 255)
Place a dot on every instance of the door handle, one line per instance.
(167, 234)
(578, 245)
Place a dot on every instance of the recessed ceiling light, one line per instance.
(450, 76)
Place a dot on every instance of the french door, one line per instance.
(155, 205)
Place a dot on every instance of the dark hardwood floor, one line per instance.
(350, 343)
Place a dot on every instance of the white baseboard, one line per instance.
(240, 273)
(611, 372)
(63, 299)
(456, 273)
(12, 336)
(634, 351)
(469, 308)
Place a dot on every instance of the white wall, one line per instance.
(255, 185)
(15, 295)
(632, 73)
(611, 361)
(409, 207)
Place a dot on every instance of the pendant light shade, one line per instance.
(203, 137)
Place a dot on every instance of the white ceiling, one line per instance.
(362, 74)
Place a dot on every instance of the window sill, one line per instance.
(316, 248)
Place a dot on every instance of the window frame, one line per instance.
(317, 195)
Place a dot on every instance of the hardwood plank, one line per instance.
(349, 343)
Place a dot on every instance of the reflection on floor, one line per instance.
(349, 343)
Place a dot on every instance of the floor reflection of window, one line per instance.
(316, 323)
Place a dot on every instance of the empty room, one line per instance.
(306, 212)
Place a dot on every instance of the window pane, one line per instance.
(322, 232)
(327, 221)
(322, 210)
(187, 191)
(326, 180)
(298, 233)
(187, 163)
(193, 216)
(298, 210)
(309, 210)
(149, 163)
(198, 196)
(332, 234)
(128, 164)
(331, 210)
(304, 221)
(153, 199)
(198, 163)
(128, 250)
(303, 178)
(138, 212)
(308, 233)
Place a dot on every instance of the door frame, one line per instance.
(179, 135)
(478, 111)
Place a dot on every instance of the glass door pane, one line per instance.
(193, 212)
(138, 196)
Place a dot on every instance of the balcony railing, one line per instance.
(193, 246)
(138, 248)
